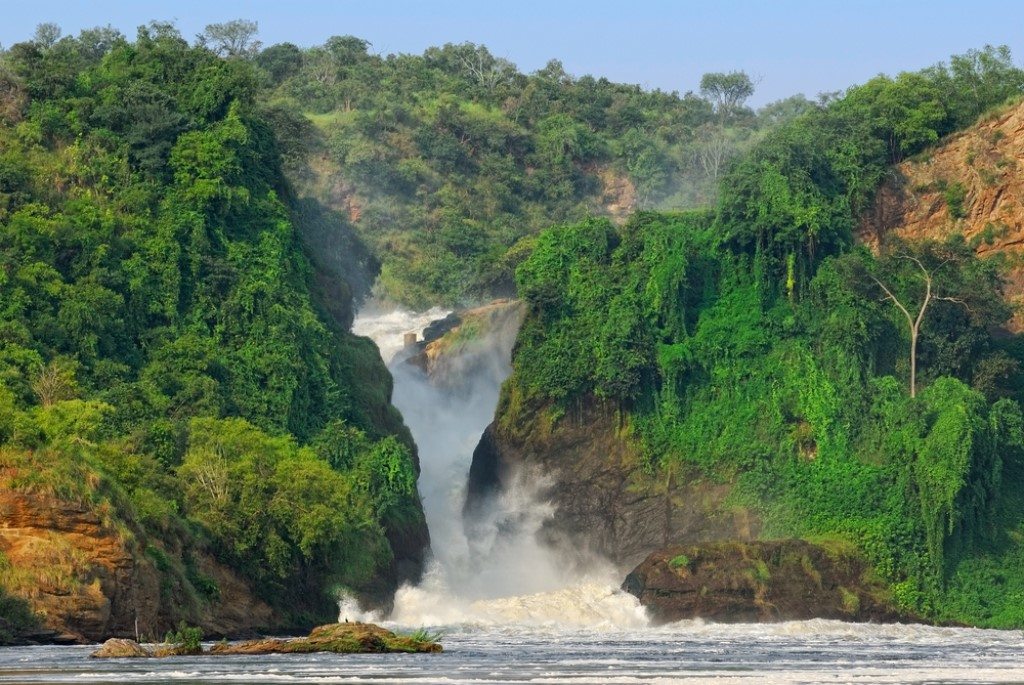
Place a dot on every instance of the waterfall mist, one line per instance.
(491, 568)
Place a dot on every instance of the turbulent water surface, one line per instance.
(510, 612)
(804, 652)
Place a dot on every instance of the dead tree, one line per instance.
(914, 322)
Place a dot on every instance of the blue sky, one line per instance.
(792, 46)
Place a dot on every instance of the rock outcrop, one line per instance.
(971, 184)
(618, 195)
(88, 578)
(341, 638)
(606, 503)
(118, 648)
(338, 638)
(776, 580)
(465, 345)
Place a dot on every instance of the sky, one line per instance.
(787, 46)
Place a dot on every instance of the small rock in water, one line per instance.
(116, 648)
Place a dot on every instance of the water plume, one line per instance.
(491, 567)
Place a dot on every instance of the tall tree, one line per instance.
(727, 92)
(235, 38)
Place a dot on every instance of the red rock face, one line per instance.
(981, 164)
(89, 579)
(79, 575)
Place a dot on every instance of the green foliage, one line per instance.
(800, 189)
(798, 398)
(278, 511)
(679, 561)
(425, 635)
(955, 194)
(164, 336)
(186, 639)
(444, 161)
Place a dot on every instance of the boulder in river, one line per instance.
(342, 638)
(761, 581)
(339, 638)
(116, 648)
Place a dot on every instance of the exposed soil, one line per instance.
(982, 165)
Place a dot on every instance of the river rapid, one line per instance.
(691, 652)
(509, 611)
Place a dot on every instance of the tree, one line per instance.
(46, 35)
(347, 50)
(95, 42)
(280, 61)
(713, 150)
(55, 383)
(727, 92)
(914, 321)
(234, 38)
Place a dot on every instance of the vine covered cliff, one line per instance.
(750, 372)
(187, 428)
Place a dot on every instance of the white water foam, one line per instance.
(494, 572)
(386, 327)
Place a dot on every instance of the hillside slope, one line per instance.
(441, 163)
(972, 184)
(744, 373)
(174, 376)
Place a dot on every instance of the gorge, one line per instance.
(583, 380)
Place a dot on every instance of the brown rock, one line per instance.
(763, 581)
(88, 579)
(116, 648)
(618, 195)
(606, 502)
(342, 638)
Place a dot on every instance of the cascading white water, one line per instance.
(502, 574)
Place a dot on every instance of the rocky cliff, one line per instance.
(971, 185)
(778, 580)
(88, 575)
(606, 502)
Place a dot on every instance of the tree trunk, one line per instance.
(913, 362)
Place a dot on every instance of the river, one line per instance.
(801, 652)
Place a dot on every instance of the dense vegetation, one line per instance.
(444, 161)
(166, 352)
(174, 346)
(755, 345)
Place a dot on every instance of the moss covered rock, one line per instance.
(777, 580)
(341, 638)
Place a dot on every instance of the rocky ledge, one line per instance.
(761, 581)
(339, 638)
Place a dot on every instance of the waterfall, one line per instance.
(495, 570)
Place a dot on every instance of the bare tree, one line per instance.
(483, 68)
(914, 321)
(712, 151)
(55, 383)
(321, 68)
